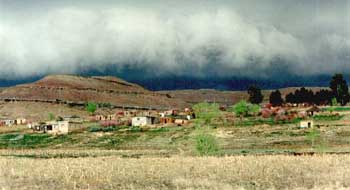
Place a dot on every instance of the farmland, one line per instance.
(260, 155)
(178, 172)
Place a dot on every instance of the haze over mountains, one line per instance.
(73, 89)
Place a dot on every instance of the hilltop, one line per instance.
(79, 90)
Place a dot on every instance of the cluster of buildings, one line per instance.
(147, 118)
(124, 117)
(11, 122)
(288, 113)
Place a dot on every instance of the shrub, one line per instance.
(207, 112)
(51, 117)
(102, 129)
(94, 129)
(163, 129)
(244, 109)
(91, 107)
(328, 117)
(135, 129)
(206, 145)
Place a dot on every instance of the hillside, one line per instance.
(77, 89)
(223, 97)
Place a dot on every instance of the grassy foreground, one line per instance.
(234, 172)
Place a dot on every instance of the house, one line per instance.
(306, 124)
(188, 110)
(171, 112)
(58, 127)
(9, 122)
(181, 121)
(21, 121)
(100, 118)
(311, 111)
(130, 113)
(166, 120)
(51, 127)
(142, 121)
(111, 117)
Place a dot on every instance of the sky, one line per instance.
(196, 39)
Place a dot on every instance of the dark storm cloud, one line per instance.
(177, 37)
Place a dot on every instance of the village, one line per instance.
(136, 118)
(295, 121)
(304, 113)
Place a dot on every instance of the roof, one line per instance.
(314, 109)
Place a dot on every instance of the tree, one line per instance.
(91, 107)
(255, 95)
(340, 89)
(276, 98)
(241, 108)
(334, 102)
(206, 111)
(51, 117)
(254, 109)
(290, 98)
(323, 97)
(303, 95)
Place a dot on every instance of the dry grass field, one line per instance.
(234, 172)
(251, 154)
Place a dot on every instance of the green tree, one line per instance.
(255, 95)
(276, 98)
(206, 112)
(340, 89)
(241, 109)
(91, 107)
(334, 102)
(254, 109)
(51, 117)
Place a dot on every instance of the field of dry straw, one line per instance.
(234, 172)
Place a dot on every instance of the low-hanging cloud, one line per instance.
(68, 39)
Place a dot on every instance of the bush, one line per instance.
(51, 117)
(163, 129)
(135, 129)
(94, 129)
(328, 117)
(102, 129)
(91, 107)
(206, 145)
(206, 112)
(244, 109)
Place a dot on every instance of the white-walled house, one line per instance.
(142, 121)
(9, 122)
(306, 124)
(58, 127)
(51, 127)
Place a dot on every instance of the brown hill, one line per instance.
(79, 90)
(223, 97)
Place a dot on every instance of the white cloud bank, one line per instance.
(65, 39)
